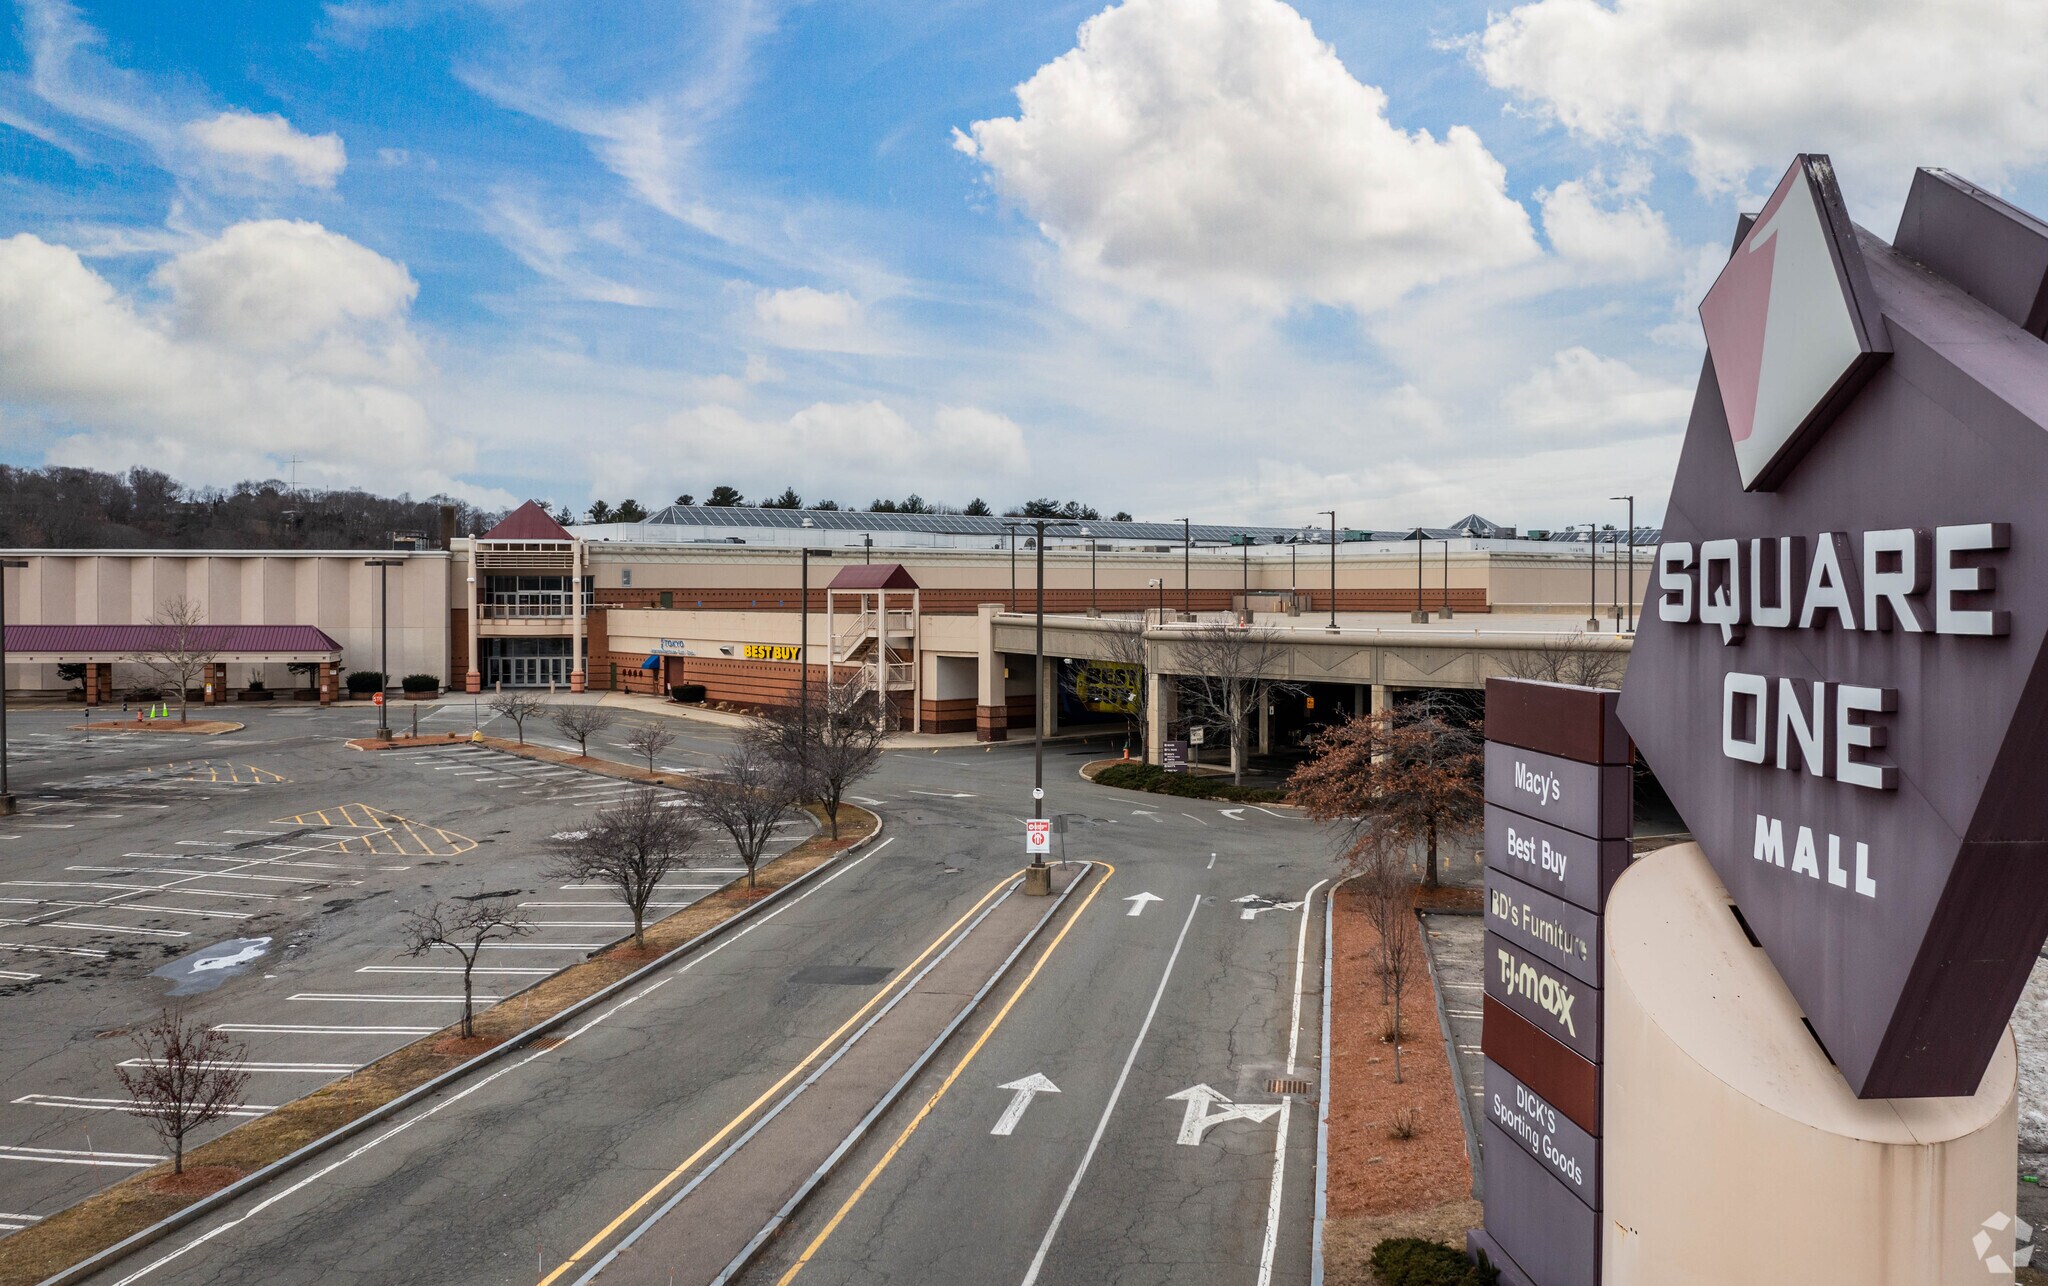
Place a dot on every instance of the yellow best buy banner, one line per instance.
(769, 651)
(1104, 687)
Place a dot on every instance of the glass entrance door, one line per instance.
(526, 663)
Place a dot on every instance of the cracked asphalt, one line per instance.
(507, 1177)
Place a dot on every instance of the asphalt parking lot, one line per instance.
(259, 879)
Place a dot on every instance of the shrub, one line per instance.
(1151, 777)
(421, 683)
(1412, 1261)
(72, 672)
(1406, 1124)
(687, 693)
(360, 681)
(255, 685)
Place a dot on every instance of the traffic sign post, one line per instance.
(1038, 836)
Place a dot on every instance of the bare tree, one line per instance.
(1232, 671)
(186, 646)
(752, 794)
(188, 1074)
(1390, 905)
(1567, 658)
(580, 722)
(1125, 643)
(632, 846)
(829, 745)
(465, 930)
(650, 739)
(518, 706)
(1394, 780)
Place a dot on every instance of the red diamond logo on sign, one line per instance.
(1792, 325)
(1038, 836)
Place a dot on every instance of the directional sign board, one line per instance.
(1038, 836)
(1558, 803)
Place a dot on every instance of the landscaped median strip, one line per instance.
(117, 1221)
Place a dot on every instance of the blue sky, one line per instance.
(1227, 258)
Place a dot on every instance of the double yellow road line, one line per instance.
(902, 978)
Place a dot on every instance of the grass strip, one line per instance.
(127, 1207)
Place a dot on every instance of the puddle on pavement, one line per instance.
(209, 967)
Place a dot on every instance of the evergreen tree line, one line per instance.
(723, 497)
(67, 508)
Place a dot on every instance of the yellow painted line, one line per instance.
(906, 972)
(947, 1084)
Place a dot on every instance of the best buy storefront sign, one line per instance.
(769, 651)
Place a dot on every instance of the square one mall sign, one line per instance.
(1840, 676)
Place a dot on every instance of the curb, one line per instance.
(830, 1166)
(1443, 1022)
(1322, 1207)
(206, 1205)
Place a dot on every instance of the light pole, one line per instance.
(803, 646)
(1593, 577)
(1093, 610)
(384, 566)
(1040, 880)
(1332, 515)
(1631, 560)
(1187, 565)
(1159, 583)
(7, 795)
(1420, 616)
(1011, 527)
(1446, 613)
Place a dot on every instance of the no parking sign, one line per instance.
(1038, 836)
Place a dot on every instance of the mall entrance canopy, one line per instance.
(100, 647)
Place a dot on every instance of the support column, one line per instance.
(991, 702)
(576, 617)
(473, 678)
(1359, 697)
(92, 683)
(1382, 698)
(216, 682)
(327, 683)
(1266, 725)
(1160, 696)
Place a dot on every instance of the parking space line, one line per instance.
(302, 1069)
(286, 1029)
(117, 928)
(358, 998)
(119, 1105)
(72, 1156)
(62, 951)
(479, 972)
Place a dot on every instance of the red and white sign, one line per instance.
(377, 699)
(1038, 836)
(1791, 323)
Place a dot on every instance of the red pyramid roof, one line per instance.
(873, 576)
(528, 522)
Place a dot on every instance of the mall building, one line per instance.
(935, 611)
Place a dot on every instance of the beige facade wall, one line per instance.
(1733, 1149)
(333, 591)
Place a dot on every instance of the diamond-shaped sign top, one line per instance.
(1792, 326)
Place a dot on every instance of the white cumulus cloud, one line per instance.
(1741, 85)
(1624, 237)
(268, 147)
(849, 451)
(275, 340)
(1582, 392)
(803, 317)
(1217, 149)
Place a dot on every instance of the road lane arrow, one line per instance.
(942, 794)
(1139, 901)
(1026, 1089)
(1198, 1117)
(1234, 814)
(1254, 903)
